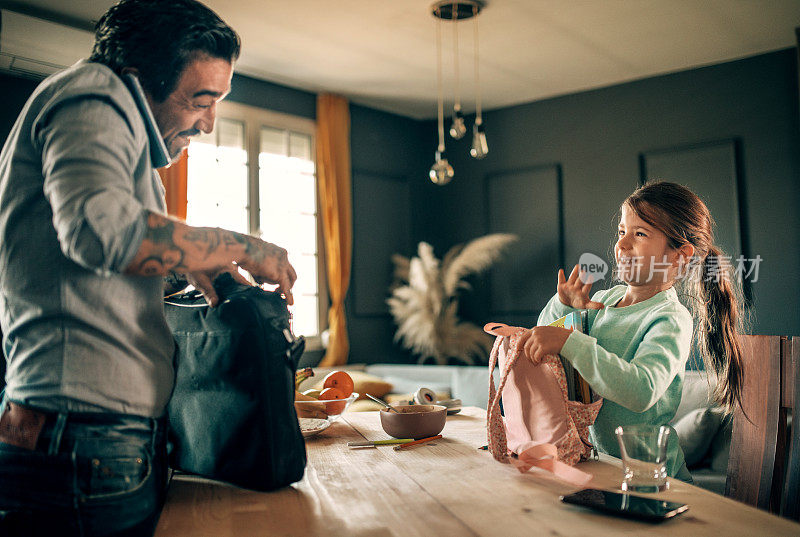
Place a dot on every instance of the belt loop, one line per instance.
(153, 434)
(58, 431)
(158, 432)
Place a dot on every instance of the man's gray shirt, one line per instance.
(76, 180)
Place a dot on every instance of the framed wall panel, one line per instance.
(381, 227)
(712, 171)
(528, 203)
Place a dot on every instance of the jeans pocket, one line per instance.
(114, 470)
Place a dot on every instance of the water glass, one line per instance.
(644, 457)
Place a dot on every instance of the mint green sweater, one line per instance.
(634, 357)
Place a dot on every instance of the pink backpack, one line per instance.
(542, 427)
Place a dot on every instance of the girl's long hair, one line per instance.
(715, 295)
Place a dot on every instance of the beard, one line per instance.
(175, 146)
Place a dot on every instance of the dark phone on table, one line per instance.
(626, 505)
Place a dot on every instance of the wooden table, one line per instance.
(447, 487)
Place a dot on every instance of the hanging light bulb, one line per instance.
(457, 129)
(479, 147)
(441, 172)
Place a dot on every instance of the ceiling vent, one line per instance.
(36, 48)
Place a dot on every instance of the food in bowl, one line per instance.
(339, 380)
(413, 421)
(334, 400)
(312, 426)
(317, 409)
(327, 409)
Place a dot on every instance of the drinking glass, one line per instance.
(644, 457)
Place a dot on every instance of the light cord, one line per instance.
(454, 19)
(478, 114)
(439, 80)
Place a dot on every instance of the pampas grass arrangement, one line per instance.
(424, 300)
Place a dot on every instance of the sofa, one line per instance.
(703, 430)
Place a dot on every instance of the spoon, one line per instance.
(393, 409)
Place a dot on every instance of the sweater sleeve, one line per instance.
(636, 385)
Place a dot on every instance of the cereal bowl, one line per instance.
(413, 421)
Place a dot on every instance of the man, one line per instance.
(84, 245)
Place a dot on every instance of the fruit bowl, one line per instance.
(316, 415)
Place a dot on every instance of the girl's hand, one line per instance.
(573, 292)
(541, 341)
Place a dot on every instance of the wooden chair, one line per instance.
(764, 461)
(791, 492)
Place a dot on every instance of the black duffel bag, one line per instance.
(232, 415)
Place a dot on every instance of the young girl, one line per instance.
(635, 352)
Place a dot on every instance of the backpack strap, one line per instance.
(545, 456)
(495, 428)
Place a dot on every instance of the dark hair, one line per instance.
(158, 38)
(683, 217)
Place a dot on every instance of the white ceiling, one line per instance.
(382, 53)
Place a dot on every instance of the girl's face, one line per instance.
(642, 252)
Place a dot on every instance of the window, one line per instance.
(255, 174)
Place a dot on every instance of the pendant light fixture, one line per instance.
(457, 127)
(442, 172)
(479, 147)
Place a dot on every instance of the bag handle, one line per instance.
(496, 432)
(500, 329)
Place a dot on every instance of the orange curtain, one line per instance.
(174, 178)
(333, 178)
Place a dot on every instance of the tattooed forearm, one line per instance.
(160, 230)
(158, 252)
(210, 238)
(170, 245)
(251, 248)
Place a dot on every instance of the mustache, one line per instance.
(190, 132)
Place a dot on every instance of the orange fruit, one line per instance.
(333, 405)
(339, 380)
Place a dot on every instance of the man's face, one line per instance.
(192, 106)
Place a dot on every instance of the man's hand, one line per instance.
(573, 292)
(268, 263)
(204, 282)
(541, 341)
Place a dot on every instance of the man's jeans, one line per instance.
(88, 474)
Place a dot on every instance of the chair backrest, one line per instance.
(2, 364)
(763, 459)
(791, 491)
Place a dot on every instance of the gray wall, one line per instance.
(572, 159)
(736, 122)
(389, 171)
